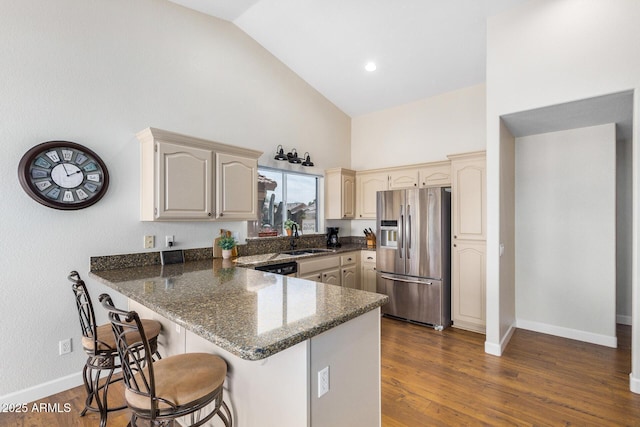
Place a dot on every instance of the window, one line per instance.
(284, 195)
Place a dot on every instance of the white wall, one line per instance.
(423, 131)
(97, 72)
(566, 233)
(548, 52)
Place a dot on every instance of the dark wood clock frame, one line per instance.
(28, 182)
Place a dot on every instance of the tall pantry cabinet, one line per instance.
(469, 233)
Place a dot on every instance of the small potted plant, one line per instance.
(227, 243)
(288, 225)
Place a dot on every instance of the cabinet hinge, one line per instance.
(155, 211)
(155, 148)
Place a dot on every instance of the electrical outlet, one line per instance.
(149, 242)
(323, 381)
(64, 346)
(168, 241)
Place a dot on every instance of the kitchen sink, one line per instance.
(310, 251)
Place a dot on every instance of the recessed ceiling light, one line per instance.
(371, 66)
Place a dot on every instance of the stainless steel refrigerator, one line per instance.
(414, 254)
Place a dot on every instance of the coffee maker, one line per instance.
(332, 237)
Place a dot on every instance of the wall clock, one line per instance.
(63, 175)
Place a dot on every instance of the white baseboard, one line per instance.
(573, 334)
(43, 390)
(634, 384)
(497, 349)
(623, 320)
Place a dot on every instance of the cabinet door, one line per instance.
(348, 196)
(406, 178)
(340, 188)
(469, 199)
(185, 182)
(369, 276)
(316, 277)
(237, 187)
(349, 277)
(436, 175)
(469, 289)
(331, 277)
(367, 185)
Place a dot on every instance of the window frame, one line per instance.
(253, 229)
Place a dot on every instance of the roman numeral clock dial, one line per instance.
(63, 175)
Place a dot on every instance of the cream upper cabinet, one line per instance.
(181, 182)
(184, 182)
(437, 174)
(403, 178)
(237, 187)
(340, 193)
(469, 196)
(367, 185)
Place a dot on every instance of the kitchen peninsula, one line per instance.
(276, 334)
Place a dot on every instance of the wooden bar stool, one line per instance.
(99, 344)
(177, 386)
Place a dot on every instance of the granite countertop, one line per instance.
(253, 261)
(249, 313)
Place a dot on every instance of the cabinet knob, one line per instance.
(209, 214)
(415, 184)
(455, 237)
(455, 246)
(369, 257)
(348, 259)
(374, 269)
(221, 213)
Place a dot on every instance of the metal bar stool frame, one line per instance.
(139, 377)
(101, 356)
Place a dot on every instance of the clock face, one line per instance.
(63, 175)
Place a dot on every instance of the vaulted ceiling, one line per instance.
(421, 48)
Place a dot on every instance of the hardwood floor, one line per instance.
(432, 378)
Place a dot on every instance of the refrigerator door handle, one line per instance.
(401, 233)
(399, 279)
(408, 233)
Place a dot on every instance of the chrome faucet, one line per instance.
(294, 236)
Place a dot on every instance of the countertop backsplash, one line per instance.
(253, 246)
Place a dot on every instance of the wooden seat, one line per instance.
(99, 344)
(161, 391)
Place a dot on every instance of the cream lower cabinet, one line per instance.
(325, 269)
(368, 271)
(349, 274)
(469, 285)
(185, 178)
